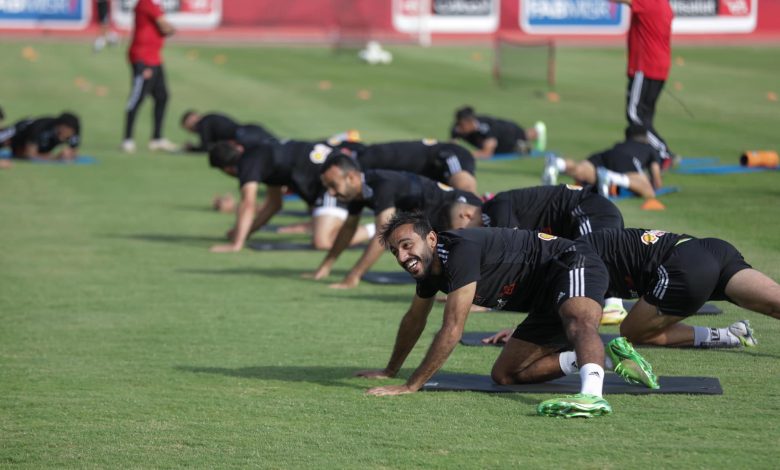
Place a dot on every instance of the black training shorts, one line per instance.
(578, 273)
(595, 213)
(695, 271)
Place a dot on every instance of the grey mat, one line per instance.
(570, 384)
(389, 277)
(474, 338)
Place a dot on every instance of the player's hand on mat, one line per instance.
(320, 273)
(375, 374)
(388, 390)
(349, 282)
(499, 338)
(226, 248)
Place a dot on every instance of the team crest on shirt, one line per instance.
(545, 236)
(444, 187)
(319, 153)
(652, 236)
(430, 142)
(574, 187)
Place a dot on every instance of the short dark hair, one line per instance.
(69, 119)
(224, 154)
(464, 112)
(635, 130)
(344, 162)
(419, 222)
(186, 115)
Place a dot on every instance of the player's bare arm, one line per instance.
(165, 26)
(343, 239)
(488, 148)
(244, 219)
(455, 313)
(409, 331)
(372, 253)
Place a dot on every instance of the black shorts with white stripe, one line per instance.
(696, 270)
(578, 273)
(595, 213)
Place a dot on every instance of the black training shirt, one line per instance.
(505, 132)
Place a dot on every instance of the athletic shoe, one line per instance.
(550, 173)
(128, 146)
(541, 136)
(613, 315)
(99, 44)
(744, 333)
(163, 144)
(580, 405)
(629, 364)
(602, 181)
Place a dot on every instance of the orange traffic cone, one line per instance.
(653, 204)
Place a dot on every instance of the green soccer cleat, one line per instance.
(630, 365)
(580, 405)
(744, 333)
(541, 136)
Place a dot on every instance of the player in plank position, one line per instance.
(37, 138)
(383, 191)
(294, 164)
(566, 211)
(215, 127)
(446, 162)
(560, 285)
(490, 135)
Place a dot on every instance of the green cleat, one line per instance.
(630, 365)
(744, 333)
(580, 405)
(541, 136)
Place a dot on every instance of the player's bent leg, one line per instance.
(326, 223)
(581, 317)
(639, 184)
(464, 181)
(525, 362)
(755, 291)
(644, 325)
(583, 171)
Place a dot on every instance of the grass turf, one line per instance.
(125, 343)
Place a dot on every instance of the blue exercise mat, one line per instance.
(698, 162)
(722, 170)
(512, 156)
(80, 160)
(625, 193)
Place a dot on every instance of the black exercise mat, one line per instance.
(389, 277)
(474, 338)
(706, 309)
(570, 384)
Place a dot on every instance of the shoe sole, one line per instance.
(630, 365)
(573, 410)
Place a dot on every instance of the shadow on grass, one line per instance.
(351, 294)
(196, 240)
(328, 376)
(292, 273)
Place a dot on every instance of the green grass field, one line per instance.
(125, 343)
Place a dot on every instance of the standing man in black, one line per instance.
(560, 285)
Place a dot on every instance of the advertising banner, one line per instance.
(446, 16)
(714, 16)
(45, 14)
(573, 17)
(192, 14)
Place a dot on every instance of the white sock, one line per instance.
(704, 337)
(568, 362)
(560, 164)
(592, 377)
(371, 229)
(619, 179)
(613, 303)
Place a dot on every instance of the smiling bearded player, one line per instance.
(561, 287)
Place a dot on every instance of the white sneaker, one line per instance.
(163, 144)
(744, 333)
(128, 146)
(112, 38)
(541, 136)
(99, 44)
(550, 173)
(602, 181)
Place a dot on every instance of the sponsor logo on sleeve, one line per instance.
(545, 236)
(650, 237)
